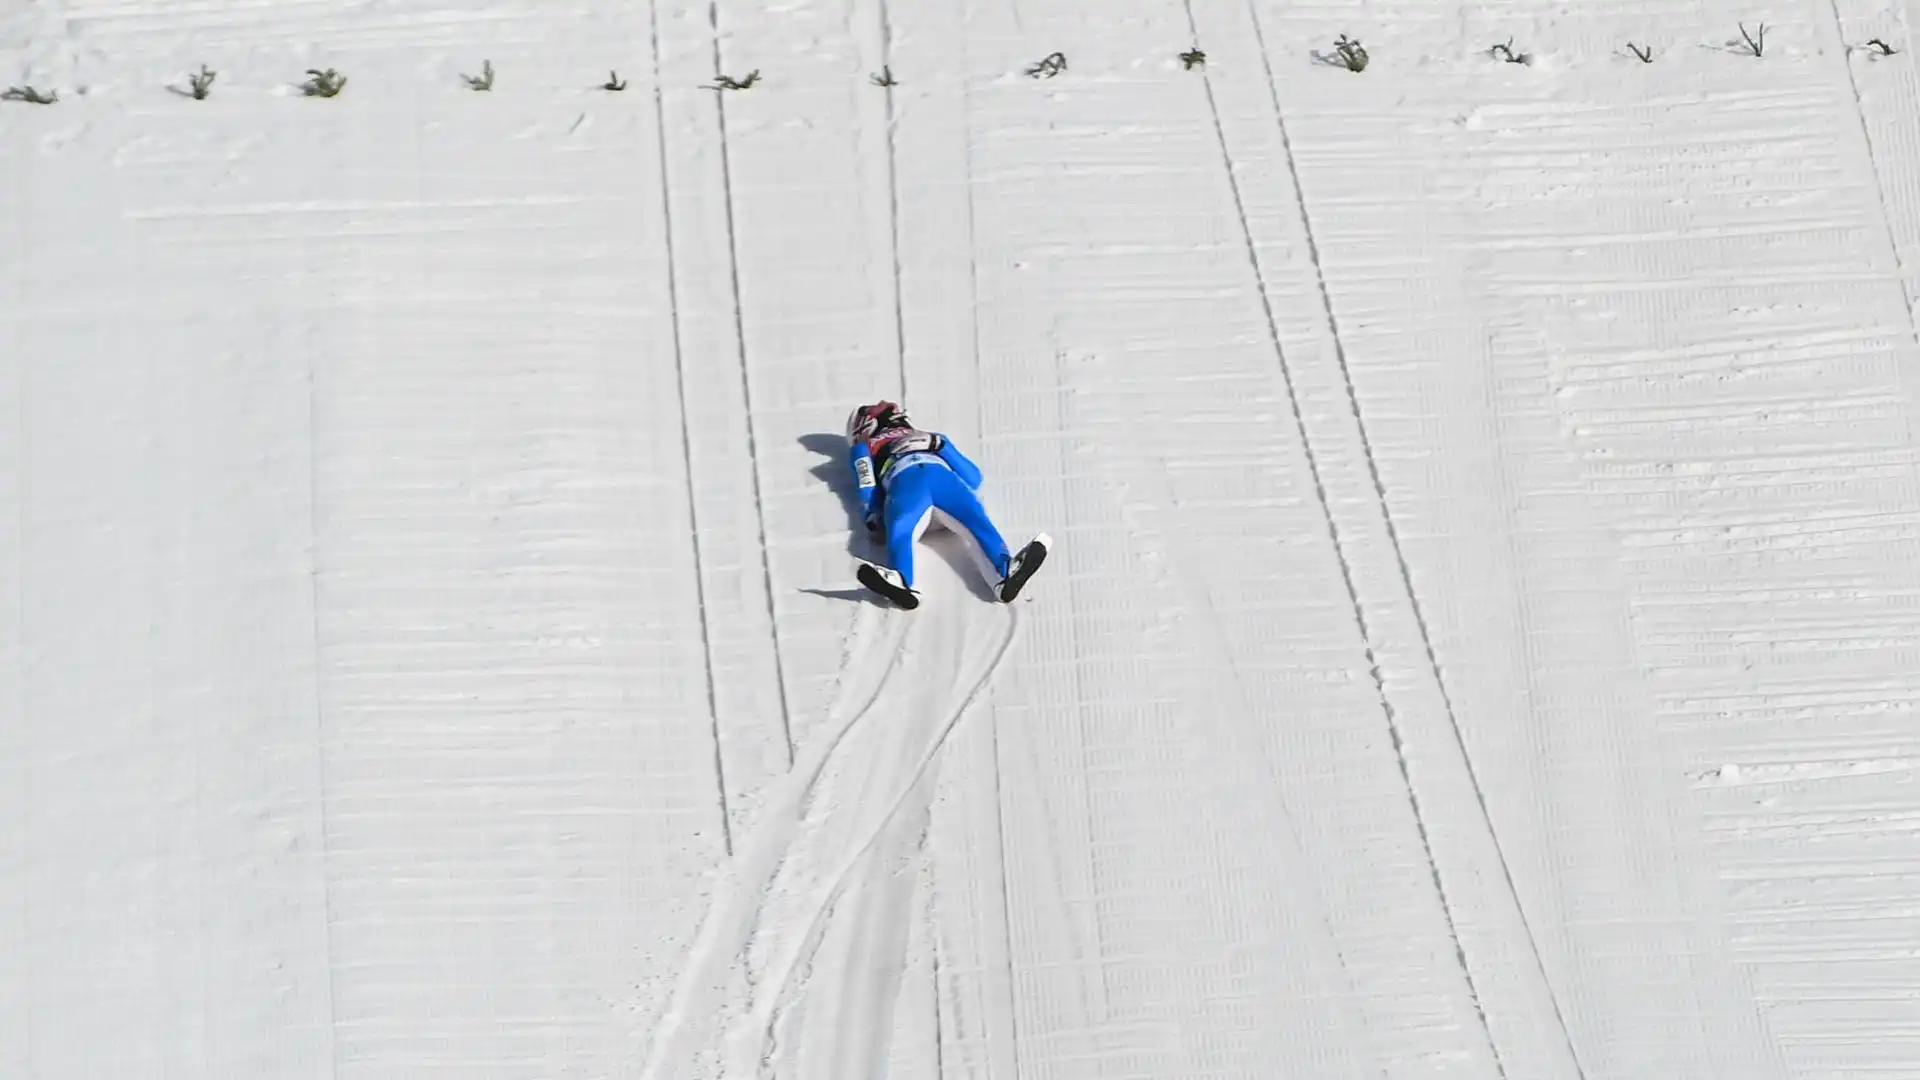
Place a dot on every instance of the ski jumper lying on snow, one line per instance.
(910, 479)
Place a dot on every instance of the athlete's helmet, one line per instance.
(869, 420)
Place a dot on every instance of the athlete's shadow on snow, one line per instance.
(835, 474)
(950, 548)
(858, 596)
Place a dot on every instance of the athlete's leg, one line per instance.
(909, 507)
(953, 500)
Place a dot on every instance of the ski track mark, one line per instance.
(686, 433)
(1875, 169)
(1005, 890)
(741, 883)
(893, 200)
(323, 777)
(1008, 1003)
(939, 1022)
(746, 384)
(1420, 812)
(1233, 725)
(931, 137)
(859, 955)
(757, 1042)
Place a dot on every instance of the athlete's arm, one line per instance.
(860, 460)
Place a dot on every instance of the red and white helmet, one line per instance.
(866, 421)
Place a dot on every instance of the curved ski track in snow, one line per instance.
(728, 925)
(877, 911)
(777, 901)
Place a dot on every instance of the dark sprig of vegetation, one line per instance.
(1350, 54)
(1347, 52)
(1052, 64)
(728, 82)
(201, 84)
(1885, 49)
(324, 84)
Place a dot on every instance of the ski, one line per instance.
(888, 584)
(1022, 566)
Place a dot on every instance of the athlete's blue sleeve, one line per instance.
(959, 463)
(860, 460)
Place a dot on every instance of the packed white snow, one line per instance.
(1481, 638)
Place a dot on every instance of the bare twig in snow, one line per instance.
(1505, 52)
(885, 78)
(1885, 49)
(1193, 58)
(326, 83)
(613, 82)
(485, 79)
(1053, 64)
(30, 95)
(1645, 55)
(727, 82)
(201, 84)
(1350, 54)
(1756, 42)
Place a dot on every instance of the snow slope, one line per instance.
(1480, 642)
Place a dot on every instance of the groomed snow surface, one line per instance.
(1482, 638)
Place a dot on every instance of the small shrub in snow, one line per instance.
(885, 78)
(1193, 58)
(1756, 42)
(326, 83)
(1053, 64)
(29, 95)
(1505, 52)
(728, 82)
(1350, 54)
(613, 82)
(484, 81)
(1645, 55)
(198, 86)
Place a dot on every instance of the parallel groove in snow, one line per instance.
(748, 415)
(1412, 252)
(749, 687)
(1339, 355)
(672, 284)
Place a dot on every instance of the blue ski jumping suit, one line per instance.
(907, 478)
